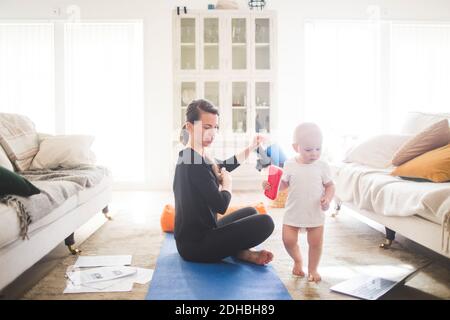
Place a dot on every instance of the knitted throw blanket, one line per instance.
(56, 187)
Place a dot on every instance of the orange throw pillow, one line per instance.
(433, 166)
(259, 207)
(168, 215)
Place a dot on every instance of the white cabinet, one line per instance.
(229, 58)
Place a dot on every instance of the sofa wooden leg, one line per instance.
(390, 236)
(337, 208)
(105, 212)
(70, 242)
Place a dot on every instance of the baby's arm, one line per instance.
(283, 185)
(328, 195)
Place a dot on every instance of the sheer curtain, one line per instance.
(27, 72)
(420, 68)
(342, 80)
(345, 62)
(104, 93)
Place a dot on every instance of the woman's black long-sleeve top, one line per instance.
(197, 195)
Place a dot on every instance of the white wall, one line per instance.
(158, 50)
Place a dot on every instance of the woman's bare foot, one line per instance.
(297, 270)
(314, 276)
(257, 257)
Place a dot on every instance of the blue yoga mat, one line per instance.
(177, 279)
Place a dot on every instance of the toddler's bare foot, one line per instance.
(257, 257)
(314, 276)
(298, 270)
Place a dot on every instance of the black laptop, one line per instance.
(372, 288)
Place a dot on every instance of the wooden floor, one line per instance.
(350, 248)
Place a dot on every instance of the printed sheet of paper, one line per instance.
(100, 274)
(122, 286)
(103, 261)
(142, 276)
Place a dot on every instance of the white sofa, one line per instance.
(17, 254)
(374, 196)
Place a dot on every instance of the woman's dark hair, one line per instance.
(193, 113)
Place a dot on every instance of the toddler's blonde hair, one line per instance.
(305, 129)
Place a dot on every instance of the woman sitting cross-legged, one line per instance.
(202, 189)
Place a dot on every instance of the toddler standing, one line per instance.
(310, 193)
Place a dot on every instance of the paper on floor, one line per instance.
(103, 261)
(100, 274)
(121, 286)
(141, 276)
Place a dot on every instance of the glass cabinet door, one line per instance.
(187, 43)
(212, 92)
(211, 43)
(262, 44)
(262, 107)
(188, 93)
(227, 59)
(239, 43)
(239, 107)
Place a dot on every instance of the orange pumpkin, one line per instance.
(168, 218)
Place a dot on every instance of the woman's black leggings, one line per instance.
(240, 230)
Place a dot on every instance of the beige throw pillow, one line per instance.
(433, 137)
(376, 151)
(19, 139)
(64, 151)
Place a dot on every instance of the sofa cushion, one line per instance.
(433, 166)
(63, 151)
(435, 136)
(4, 161)
(12, 183)
(19, 139)
(376, 151)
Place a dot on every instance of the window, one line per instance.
(342, 79)
(341, 75)
(27, 72)
(420, 68)
(104, 97)
(98, 72)
(345, 62)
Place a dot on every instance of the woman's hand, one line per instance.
(244, 154)
(226, 180)
(257, 140)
